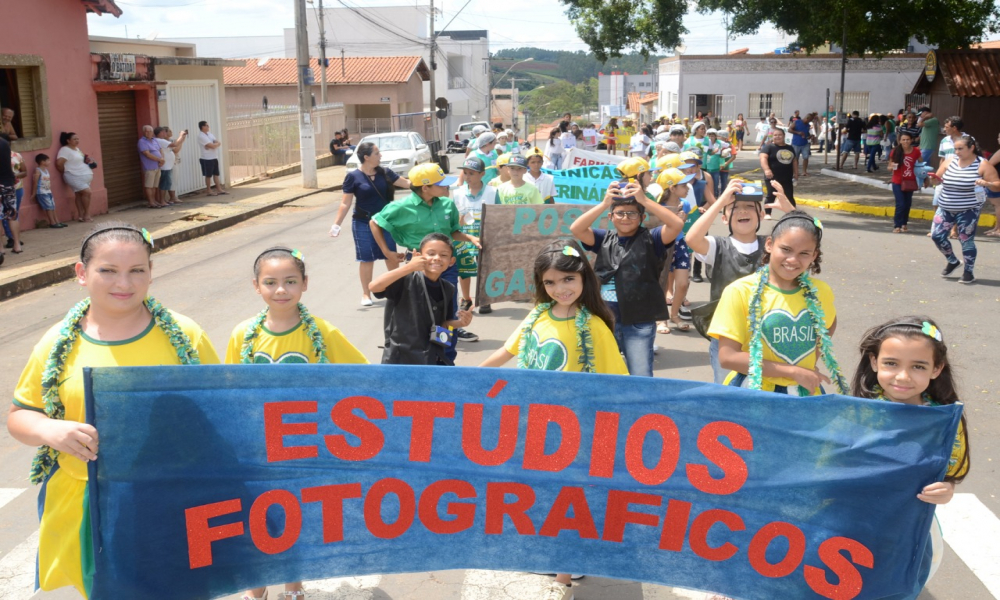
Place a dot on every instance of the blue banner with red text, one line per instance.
(215, 479)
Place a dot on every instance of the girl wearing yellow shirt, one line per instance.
(773, 326)
(286, 333)
(116, 325)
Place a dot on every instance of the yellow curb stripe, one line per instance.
(883, 211)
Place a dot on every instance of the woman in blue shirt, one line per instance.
(371, 185)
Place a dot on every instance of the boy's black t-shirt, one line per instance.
(855, 126)
(408, 321)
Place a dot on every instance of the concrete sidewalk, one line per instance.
(853, 190)
(50, 254)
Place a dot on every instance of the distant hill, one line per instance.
(573, 67)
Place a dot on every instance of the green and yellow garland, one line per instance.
(312, 330)
(69, 331)
(584, 340)
(755, 372)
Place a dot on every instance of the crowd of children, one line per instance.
(769, 321)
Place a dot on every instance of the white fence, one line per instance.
(264, 141)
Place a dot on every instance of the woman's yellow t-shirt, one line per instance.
(152, 347)
(552, 345)
(788, 334)
(293, 346)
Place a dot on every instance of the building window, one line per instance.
(853, 101)
(22, 89)
(763, 104)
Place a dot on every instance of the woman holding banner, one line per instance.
(116, 325)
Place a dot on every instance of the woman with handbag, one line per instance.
(902, 161)
(372, 186)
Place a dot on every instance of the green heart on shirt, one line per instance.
(790, 338)
(550, 356)
(288, 358)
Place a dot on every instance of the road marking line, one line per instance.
(973, 532)
(17, 570)
(8, 494)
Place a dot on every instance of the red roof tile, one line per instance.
(971, 73)
(633, 102)
(101, 7)
(649, 97)
(358, 70)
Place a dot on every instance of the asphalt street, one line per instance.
(874, 274)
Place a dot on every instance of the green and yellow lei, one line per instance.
(755, 372)
(69, 331)
(315, 336)
(584, 340)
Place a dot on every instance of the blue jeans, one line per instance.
(718, 373)
(557, 162)
(6, 223)
(636, 343)
(926, 154)
(720, 180)
(966, 222)
(903, 202)
(870, 160)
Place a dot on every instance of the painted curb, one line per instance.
(883, 211)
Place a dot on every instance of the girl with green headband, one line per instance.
(116, 325)
(775, 325)
(286, 333)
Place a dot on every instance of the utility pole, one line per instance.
(843, 75)
(307, 145)
(433, 68)
(322, 53)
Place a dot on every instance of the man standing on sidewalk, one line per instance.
(952, 133)
(777, 160)
(169, 149)
(151, 159)
(208, 147)
(854, 126)
(930, 133)
(800, 143)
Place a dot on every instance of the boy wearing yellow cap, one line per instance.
(503, 175)
(629, 261)
(427, 209)
(677, 196)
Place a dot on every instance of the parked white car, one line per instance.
(463, 134)
(401, 151)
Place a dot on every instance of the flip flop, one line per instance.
(680, 326)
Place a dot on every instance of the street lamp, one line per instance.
(497, 82)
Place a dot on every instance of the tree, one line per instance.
(610, 27)
(871, 27)
(561, 97)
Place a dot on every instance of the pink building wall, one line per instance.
(56, 30)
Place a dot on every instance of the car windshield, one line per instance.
(468, 126)
(391, 142)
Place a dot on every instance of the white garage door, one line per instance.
(189, 102)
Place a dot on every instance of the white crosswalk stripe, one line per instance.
(8, 494)
(343, 588)
(973, 532)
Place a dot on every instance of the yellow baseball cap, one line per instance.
(429, 174)
(690, 157)
(503, 159)
(535, 151)
(631, 167)
(670, 161)
(671, 177)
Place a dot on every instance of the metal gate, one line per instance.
(853, 101)
(916, 100)
(692, 106)
(725, 108)
(119, 156)
(189, 102)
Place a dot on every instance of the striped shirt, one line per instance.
(958, 190)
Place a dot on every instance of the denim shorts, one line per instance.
(166, 180)
(802, 151)
(847, 146)
(46, 201)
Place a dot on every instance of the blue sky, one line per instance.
(511, 23)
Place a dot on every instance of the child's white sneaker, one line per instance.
(558, 591)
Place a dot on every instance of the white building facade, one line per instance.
(757, 85)
(613, 90)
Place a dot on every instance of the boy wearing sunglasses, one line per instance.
(629, 261)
